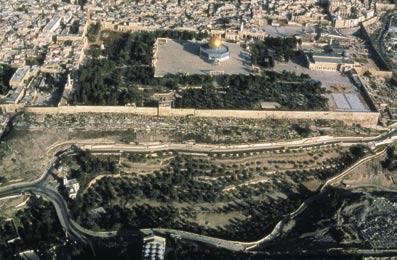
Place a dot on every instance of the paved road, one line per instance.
(59, 203)
(279, 229)
(40, 187)
(211, 148)
(382, 188)
(73, 229)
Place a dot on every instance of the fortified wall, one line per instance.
(379, 60)
(145, 111)
(9, 108)
(368, 119)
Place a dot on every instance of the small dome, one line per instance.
(215, 42)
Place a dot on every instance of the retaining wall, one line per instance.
(149, 111)
(9, 108)
(368, 119)
(378, 58)
(362, 118)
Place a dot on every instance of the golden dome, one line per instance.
(215, 42)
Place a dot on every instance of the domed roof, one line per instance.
(215, 42)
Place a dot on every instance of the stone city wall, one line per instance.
(368, 119)
(370, 21)
(166, 111)
(9, 108)
(387, 74)
(380, 7)
(378, 58)
(147, 111)
(362, 118)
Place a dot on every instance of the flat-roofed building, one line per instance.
(72, 187)
(20, 77)
(329, 62)
(53, 24)
(270, 105)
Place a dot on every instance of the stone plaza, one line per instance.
(173, 57)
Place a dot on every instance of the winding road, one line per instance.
(71, 228)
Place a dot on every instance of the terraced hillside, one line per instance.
(237, 196)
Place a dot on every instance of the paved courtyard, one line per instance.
(288, 31)
(327, 78)
(343, 96)
(183, 57)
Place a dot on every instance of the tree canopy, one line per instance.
(112, 76)
(6, 73)
(266, 52)
(247, 92)
(100, 83)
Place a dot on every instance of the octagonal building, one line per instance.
(215, 51)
